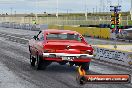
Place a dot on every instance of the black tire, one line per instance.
(85, 66)
(29, 49)
(62, 63)
(41, 64)
(38, 63)
(32, 60)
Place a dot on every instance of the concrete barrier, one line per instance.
(96, 32)
(120, 57)
(87, 31)
(25, 26)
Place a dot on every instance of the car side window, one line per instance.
(41, 37)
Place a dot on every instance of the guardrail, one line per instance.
(87, 31)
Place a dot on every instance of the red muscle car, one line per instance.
(61, 46)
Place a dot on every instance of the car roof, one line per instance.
(58, 31)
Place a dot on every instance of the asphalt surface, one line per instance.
(16, 72)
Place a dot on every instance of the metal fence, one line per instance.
(14, 25)
(67, 20)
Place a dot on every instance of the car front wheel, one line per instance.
(32, 60)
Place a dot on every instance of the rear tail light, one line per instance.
(46, 51)
(83, 52)
(90, 52)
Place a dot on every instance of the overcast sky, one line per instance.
(50, 6)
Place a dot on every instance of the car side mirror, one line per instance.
(40, 32)
(35, 37)
(80, 39)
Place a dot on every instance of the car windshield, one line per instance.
(63, 37)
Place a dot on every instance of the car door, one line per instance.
(39, 43)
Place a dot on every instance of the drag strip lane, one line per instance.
(20, 66)
(15, 38)
(16, 58)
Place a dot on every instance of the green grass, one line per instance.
(130, 23)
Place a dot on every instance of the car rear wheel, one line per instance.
(41, 64)
(85, 66)
(38, 63)
(62, 63)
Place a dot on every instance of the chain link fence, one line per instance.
(66, 20)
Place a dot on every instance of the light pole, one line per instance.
(11, 14)
(11, 11)
(57, 8)
(86, 9)
(15, 13)
(131, 10)
(93, 10)
(96, 9)
(36, 15)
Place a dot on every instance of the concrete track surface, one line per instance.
(16, 72)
